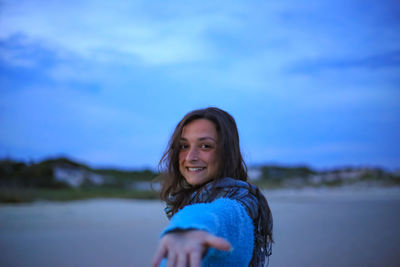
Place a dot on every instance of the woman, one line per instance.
(217, 218)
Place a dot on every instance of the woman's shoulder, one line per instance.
(241, 191)
(234, 188)
(228, 181)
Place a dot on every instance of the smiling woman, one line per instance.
(217, 218)
(198, 158)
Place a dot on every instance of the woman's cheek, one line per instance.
(182, 156)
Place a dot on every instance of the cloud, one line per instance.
(379, 61)
(90, 78)
(107, 33)
(17, 51)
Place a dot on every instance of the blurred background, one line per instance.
(90, 92)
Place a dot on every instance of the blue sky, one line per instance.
(309, 82)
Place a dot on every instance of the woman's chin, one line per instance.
(196, 180)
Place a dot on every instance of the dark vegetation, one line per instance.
(300, 176)
(62, 179)
(25, 182)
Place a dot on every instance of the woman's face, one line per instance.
(198, 152)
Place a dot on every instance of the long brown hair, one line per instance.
(230, 162)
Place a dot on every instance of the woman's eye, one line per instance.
(205, 146)
(183, 146)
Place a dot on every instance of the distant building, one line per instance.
(254, 173)
(75, 177)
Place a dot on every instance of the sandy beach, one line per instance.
(313, 227)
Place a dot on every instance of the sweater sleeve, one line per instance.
(224, 218)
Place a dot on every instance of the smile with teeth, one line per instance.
(196, 169)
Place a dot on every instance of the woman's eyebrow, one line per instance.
(207, 137)
(200, 139)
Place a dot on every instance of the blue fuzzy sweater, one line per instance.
(224, 218)
(230, 209)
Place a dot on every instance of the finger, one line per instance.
(171, 261)
(181, 262)
(160, 254)
(218, 243)
(194, 259)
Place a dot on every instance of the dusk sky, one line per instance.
(312, 83)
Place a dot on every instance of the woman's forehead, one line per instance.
(200, 129)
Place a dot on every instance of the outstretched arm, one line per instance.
(209, 230)
(183, 247)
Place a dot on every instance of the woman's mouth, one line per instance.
(195, 169)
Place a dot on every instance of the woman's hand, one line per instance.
(186, 248)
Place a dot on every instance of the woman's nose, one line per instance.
(193, 154)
